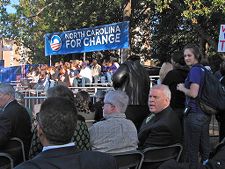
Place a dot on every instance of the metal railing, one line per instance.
(33, 97)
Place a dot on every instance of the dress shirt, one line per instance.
(114, 134)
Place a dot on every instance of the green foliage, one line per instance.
(158, 27)
(34, 19)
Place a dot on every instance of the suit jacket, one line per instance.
(161, 129)
(70, 158)
(15, 122)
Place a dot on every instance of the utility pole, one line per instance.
(126, 17)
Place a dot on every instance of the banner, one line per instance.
(221, 43)
(104, 37)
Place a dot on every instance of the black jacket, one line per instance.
(70, 158)
(162, 130)
(15, 122)
(174, 77)
(132, 78)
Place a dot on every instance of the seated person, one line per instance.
(116, 133)
(81, 135)
(14, 118)
(84, 106)
(216, 161)
(162, 127)
(56, 123)
(100, 94)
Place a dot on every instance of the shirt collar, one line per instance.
(57, 146)
(115, 115)
(7, 104)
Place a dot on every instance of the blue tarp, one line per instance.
(104, 37)
(13, 73)
(10, 74)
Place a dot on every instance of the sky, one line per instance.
(10, 9)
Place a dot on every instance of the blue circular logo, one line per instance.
(56, 43)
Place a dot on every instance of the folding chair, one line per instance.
(129, 159)
(6, 162)
(161, 154)
(15, 148)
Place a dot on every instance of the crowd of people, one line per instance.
(56, 136)
(72, 74)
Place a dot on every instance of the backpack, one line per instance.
(211, 97)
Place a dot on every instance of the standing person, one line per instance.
(174, 77)
(196, 122)
(132, 78)
(221, 115)
(165, 68)
(56, 123)
(14, 118)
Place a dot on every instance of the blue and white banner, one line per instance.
(104, 37)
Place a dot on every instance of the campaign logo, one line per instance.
(56, 43)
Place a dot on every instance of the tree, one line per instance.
(34, 19)
(158, 27)
(176, 23)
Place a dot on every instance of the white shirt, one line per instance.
(57, 146)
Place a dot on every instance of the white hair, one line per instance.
(164, 88)
(117, 98)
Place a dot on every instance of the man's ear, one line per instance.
(40, 132)
(167, 100)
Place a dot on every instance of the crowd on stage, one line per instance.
(68, 131)
(72, 74)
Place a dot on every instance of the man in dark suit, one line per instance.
(14, 118)
(162, 127)
(56, 125)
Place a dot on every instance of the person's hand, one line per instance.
(180, 87)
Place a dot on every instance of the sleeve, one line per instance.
(119, 76)
(5, 129)
(195, 75)
(27, 164)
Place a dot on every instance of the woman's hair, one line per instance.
(195, 50)
(60, 91)
(83, 101)
(177, 57)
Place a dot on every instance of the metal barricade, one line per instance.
(33, 97)
(153, 80)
